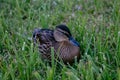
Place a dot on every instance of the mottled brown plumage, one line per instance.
(65, 47)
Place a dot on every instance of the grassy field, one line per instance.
(95, 24)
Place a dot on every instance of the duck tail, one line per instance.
(36, 35)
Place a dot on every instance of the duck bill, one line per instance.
(74, 42)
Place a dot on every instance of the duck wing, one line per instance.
(45, 40)
(43, 36)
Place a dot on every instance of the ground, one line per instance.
(95, 24)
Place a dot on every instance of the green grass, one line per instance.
(95, 24)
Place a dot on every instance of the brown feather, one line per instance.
(63, 49)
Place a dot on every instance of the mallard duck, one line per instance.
(65, 46)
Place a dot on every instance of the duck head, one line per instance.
(62, 33)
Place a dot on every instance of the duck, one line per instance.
(66, 48)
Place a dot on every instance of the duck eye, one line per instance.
(65, 33)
